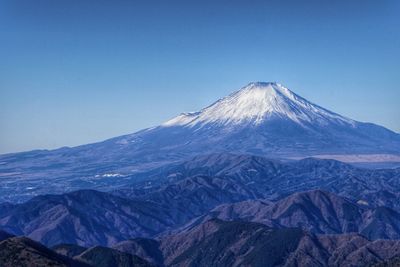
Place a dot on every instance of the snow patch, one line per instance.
(362, 202)
(107, 175)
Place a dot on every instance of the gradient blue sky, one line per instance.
(80, 71)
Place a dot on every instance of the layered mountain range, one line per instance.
(264, 119)
(22, 251)
(212, 243)
(90, 218)
(355, 226)
(250, 180)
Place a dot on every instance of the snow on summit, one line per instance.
(263, 118)
(256, 103)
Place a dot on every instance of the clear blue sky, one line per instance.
(79, 71)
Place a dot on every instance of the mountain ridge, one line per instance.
(90, 218)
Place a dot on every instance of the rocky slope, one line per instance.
(90, 218)
(107, 257)
(238, 243)
(21, 251)
(101, 256)
(213, 243)
(316, 211)
(252, 177)
(148, 249)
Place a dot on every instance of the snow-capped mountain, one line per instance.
(256, 103)
(268, 119)
(259, 119)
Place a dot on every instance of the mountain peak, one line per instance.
(261, 91)
(266, 87)
(256, 103)
(260, 84)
